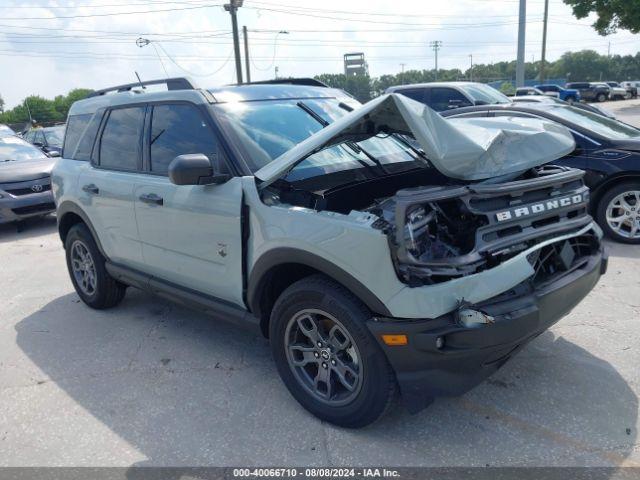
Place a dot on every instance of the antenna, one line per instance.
(141, 84)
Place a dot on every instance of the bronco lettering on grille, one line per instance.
(537, 208)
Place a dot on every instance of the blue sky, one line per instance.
(50, 47)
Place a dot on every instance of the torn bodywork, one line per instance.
(441, 233)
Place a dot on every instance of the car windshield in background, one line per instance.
(54, 136)
(599, 124)
(15, 149)
(485, 95)
(267, 129)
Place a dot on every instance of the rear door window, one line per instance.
(178, 130)
(121, 142)
(416, 94)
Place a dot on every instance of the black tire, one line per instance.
(601, 97)
(376, 379)
(571, 100)
(605, 200)
(107, 292)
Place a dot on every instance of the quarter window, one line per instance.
(120, 145)
(178, 130)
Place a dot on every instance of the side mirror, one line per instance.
(455, 103)
(194, 169)
(38, 144)
(53, 153)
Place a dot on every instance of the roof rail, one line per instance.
(310, 82)
(177, 83)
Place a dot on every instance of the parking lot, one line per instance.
(151, 383)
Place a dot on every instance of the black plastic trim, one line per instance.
(70, 207)
(211, 305)
(280, 256)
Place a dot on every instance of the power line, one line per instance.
(112, 14)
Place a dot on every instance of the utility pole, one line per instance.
(522, 22)
(471, 67)
(436, 44)
(609, 50)
(544, 40)
(232, 8)
(275, 71)
(246, 53)
(402, 74)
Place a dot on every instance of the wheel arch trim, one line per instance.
(284, 255)
(69, 207)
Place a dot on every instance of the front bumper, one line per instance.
(469, 355)
(15, 208)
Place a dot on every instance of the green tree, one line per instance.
(357, 85)
(1, 104)
(612, 14)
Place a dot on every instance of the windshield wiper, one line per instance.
(354, 146)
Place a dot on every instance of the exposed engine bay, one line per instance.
(439, 229)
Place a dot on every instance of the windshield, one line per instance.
(604, 126)
(267, 129)
(54, 136)
(14, 149)
(485, 95)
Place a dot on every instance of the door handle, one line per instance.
(91, 188)
(151, 198)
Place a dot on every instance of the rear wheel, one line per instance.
(619, 212)
(327, 357)
(86, 267)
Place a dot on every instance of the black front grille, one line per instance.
(27, 191)
(41, 207)
(560, 258)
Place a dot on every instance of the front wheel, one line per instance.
(619, 213)
(601, 97)
(571, 100)
(327, 357)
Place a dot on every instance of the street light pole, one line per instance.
(471, 68)
(544, 40)
(436, 44)
(232, 8)
(246, 53)
(522, 21)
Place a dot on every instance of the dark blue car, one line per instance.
(606, 149)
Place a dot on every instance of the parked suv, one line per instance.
(591, 92)
(618, 92)
(371, 265)
(569, 95)
(441, 96)
(631, 87)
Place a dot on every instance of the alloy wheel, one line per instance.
(623, 214)
(323, 357)
(83, 267)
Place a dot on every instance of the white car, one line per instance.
(618, 92)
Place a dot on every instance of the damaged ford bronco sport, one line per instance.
(381, 248)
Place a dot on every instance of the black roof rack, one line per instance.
(177, 83)
(310, 82)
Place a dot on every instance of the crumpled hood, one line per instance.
(466, 149)
(23, 170)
